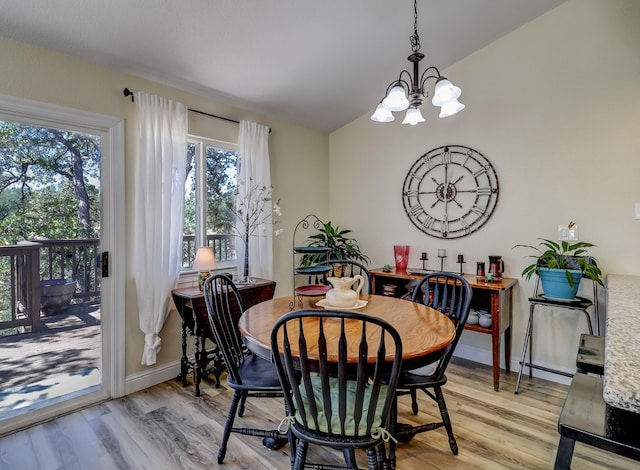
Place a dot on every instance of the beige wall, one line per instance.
(554, 106)
(299, 156)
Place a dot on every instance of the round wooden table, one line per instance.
(425, 332)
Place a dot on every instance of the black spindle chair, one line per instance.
(248, 375)
(333, 366)
(451, 294)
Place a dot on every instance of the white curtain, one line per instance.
(254, 169)
(158, 212)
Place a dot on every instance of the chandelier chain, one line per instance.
(414, 38)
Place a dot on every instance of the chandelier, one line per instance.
(408, 91)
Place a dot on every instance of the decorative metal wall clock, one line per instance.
(450, 191)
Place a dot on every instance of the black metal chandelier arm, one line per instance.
(424, 77)
(400, 82)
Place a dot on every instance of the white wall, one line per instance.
(554, 106)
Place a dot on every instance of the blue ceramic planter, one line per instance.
(555, 284)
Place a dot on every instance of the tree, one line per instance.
(220, 190)
(46, 171)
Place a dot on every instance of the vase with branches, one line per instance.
(254, 209)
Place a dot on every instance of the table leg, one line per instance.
(507, 349)
(495, 338)
(184, 361)
(197, 370)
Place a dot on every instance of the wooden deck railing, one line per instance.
(223, 246)
(20, 286)
(24, 265)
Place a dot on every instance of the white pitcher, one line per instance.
(342, 295)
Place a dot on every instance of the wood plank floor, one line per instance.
(166, 427)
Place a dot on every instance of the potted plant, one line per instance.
(340, 246)
(561, 266)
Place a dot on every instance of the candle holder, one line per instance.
(442, 254)
(424, 259)
(461, 261)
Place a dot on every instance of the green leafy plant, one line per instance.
(340, 246)
(563, 255)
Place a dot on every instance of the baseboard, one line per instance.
(485, 356)
(151, 376)
(155, 375)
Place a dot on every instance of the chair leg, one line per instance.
(228, 425)
(446, 419)
(350, 457)
(301, 455)
(414, 401)
(372, 459)
(527, 339)
(393, 424)
(243, 400)
(531, 342)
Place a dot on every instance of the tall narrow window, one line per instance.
(210, 188)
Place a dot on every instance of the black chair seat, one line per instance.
(257, 374)
(407, 379)
(579, 303)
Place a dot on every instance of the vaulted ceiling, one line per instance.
(320, 64)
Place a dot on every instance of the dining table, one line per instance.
(425, 332)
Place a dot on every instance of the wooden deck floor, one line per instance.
(69, 345)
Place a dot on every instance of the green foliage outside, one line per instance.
(220, 191)
(46, 188)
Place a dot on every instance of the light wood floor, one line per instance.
(166, 427)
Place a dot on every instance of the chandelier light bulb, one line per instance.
(413, 116)
(445, 92)
(382, 114)
(451, 108)
(396, 99)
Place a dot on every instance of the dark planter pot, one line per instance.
(56, 295)
(555, 284)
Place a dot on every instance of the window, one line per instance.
(210, 188)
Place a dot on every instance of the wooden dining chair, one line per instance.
(451, 294)
(333, 367)
(247, 374)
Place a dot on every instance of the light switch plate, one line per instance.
(637, 210)
(563, 232)
(566, 233)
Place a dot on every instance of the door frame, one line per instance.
(112, 238)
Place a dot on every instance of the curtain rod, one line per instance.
(128, 92)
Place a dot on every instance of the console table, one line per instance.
(493, 296)
(191, 306)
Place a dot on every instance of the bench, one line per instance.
(590, 358)
(586, 418)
